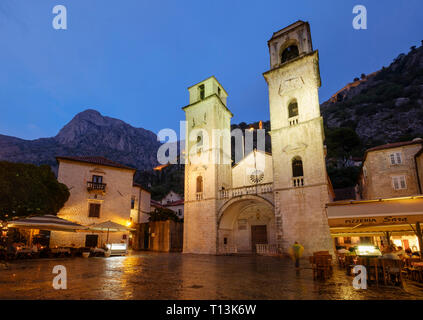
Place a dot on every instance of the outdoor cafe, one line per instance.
(31, 238)
(383, 235)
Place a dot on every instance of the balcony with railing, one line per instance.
(293, 121)
(199, 196)
(247, 190)
(96, 186)
(298, 182)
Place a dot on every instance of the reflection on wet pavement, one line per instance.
(178, 276)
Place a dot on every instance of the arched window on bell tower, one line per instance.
(289, 53)
(293, 112)
(297, 172)
(199, 188)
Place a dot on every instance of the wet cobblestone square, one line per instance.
(179, 276)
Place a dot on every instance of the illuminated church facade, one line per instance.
(265, 200)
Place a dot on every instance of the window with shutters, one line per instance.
(395, 158)
(94, 210)
(399, 183)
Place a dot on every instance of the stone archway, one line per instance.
(243, 222)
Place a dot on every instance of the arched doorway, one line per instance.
(244, 222)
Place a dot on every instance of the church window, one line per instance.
(218, 91)
(297, 172)
(199, 184)
(293, 109)
(290, 53)
(297, 167)
(201, 91)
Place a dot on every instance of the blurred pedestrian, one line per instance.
(297, 251)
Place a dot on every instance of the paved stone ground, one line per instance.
(178, 276)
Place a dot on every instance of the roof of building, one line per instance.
(140, 186)
(156, 204)
(95, 160)
(249, 154)
(174, 203)
(288, 28)
(211, 77)
(396, 145)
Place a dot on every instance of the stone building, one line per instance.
(100, 190)
(265, 199)
(140, 204)
(389, 206)
(391, 171)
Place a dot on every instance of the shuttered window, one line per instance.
(399, 183)
(396, 158)
(94, 211)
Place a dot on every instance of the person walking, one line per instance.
(297, 251)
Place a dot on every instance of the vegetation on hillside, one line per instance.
(162, 181)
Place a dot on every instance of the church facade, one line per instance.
(265, 199)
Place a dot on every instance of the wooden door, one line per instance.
(91, 240)
(258, 236)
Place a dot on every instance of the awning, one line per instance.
(46, 222)
(109, 226)
(375, 217)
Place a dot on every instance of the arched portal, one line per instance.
(244, 222)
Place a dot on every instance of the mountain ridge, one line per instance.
(89, 133)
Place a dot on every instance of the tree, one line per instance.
(163, 214)
(27, 189)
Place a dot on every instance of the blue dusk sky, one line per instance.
(134, 59)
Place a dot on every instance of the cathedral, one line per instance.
(265, 200)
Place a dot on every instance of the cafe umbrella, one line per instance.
(46, 222)
(109, 226)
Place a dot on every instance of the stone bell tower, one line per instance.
(301, 188)
(207, 164)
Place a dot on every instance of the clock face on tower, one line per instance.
(257, 176)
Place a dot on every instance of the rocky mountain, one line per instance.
(385, 106)
(88, 133)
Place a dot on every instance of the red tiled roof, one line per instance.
(96, 160)
(156, 204)
(174, 203)
(395, 145)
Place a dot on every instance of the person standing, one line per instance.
(297, 251)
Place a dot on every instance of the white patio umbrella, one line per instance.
(46, 222)
(109, 226)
